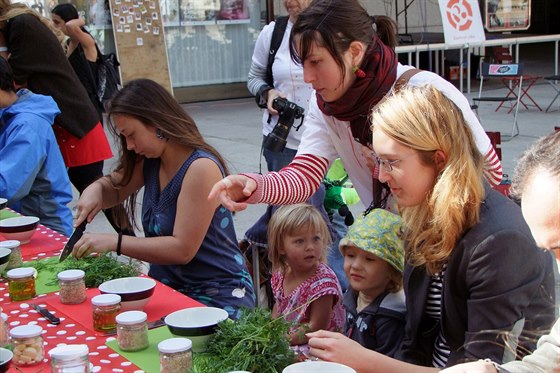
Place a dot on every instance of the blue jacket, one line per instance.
(380, 325)
(33, 176)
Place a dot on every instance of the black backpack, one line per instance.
(277, 35)
(108, 82)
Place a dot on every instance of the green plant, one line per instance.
(98, 269)
(255, 342)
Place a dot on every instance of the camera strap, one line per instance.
(277, 36)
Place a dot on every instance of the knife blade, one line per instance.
(46, 314)
(72, 241)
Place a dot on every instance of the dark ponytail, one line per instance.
(387, 30)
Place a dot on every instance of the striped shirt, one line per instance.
(297, 182)
(433, 310)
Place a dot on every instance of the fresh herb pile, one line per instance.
(255, 342)
(98, 269)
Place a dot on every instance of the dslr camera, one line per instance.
(288, 112)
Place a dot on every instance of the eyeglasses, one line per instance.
(386, 165)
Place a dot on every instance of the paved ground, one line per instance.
(234, 128)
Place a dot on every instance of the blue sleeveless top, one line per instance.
(217, 276)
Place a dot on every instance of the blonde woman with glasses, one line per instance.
(476, 285)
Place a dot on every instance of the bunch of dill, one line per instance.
(98, 269)
(255, 342)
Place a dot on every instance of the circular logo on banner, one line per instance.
(459, 14)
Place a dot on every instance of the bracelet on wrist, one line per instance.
(3, 49)
(119, 242)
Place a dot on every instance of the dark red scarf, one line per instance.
(380, 66)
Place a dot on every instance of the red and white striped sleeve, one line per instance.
(294, 183)
(492, 168)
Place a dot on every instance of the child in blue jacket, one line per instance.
(33, 177)
(373, 262)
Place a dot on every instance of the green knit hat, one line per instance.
(378, 233)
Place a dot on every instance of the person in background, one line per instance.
(351, 70)
(476, 285)
(40, 64)
(81, 49)
(82, 52)
(189, 242)
(287, 83)
(536, 182)
(373, 261)
(306, 291)
(32, 173)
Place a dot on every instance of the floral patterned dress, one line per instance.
(295, 306)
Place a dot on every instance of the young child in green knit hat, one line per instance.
(373, 262)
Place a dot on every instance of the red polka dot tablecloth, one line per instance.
(76, 325)
(68, 331)
(43, 244)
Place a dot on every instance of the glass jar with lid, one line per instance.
(28, 345)
(15, 259)
(72, 286)
(106, 307)
(175, 355)
(70, 359)
(4, 332)
(132, 331)
(21, 283)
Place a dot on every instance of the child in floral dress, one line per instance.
(306, 290)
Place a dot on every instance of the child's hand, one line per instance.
(298, 336)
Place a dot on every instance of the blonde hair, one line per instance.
(290, 220)
(424, 119)
(9, 11)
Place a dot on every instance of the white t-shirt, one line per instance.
(288, 79)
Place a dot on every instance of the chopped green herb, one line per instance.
(98, 269)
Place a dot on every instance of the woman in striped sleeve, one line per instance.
(351, 71)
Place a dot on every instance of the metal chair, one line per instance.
(489, 71)
(553, 81)
(502, 55)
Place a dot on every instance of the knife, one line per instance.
(46, 314)
(72, 241)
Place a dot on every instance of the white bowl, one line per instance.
(196, 323)
(4, 258)
(20, 228)
(135, 292)
(3, 203)
(6, 357)
(317, 367)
